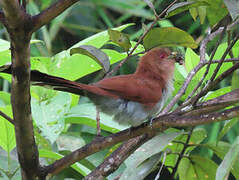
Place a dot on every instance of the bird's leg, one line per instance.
(98, 122)
(151, 121)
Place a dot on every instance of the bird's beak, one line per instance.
(178, 57)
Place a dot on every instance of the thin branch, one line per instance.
(230, 46)
(184, 121)
(162, 122)
(141, 38)
(198, 67)
(208, 88)
(185, 146)
(113, 162)
(6, 117)
(208, 65)
(50, 13)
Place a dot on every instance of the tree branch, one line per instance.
(162, 122)
(6, 117)
(50, 13)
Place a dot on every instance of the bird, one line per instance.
(131, 99)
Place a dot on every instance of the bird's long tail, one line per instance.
(57, 83)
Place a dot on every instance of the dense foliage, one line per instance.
(64, 122)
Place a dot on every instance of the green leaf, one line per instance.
(168, 37)
(96, 54)
(220, 150)
(4, 45)
(184, 6)
(216, 11)
(120, 39)
(218, 92)
(76, 166)
(197, 168)
(34, 41)
(228, 161)
(7, 132)
(227, 126)
(85, 113)
(235, 80)
(232, 6)
(199, 11)
(49, 114)
(5, 97)
(69, 142)
(135, 8)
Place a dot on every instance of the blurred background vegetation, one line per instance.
(92, 16)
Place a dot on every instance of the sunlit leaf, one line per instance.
(120, 39)
(99, 56)
(49, 114)
(7, 132)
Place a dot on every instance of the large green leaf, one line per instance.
(49, 114)
(168, 37)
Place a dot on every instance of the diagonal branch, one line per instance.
(50, 13)
(113, 162)
(6, 117)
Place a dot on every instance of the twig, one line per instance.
(209, 64)
(112, 162)
(198, 67)
(211, 81)
(185, 146)
(162, 122)
(6, 117)
(50, 13)
(142, 37)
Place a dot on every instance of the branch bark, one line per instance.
(50, 13)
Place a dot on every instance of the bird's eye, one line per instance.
(163, 55)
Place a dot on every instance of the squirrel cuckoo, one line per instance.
(130, 99)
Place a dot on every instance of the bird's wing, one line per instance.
(134, 88)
